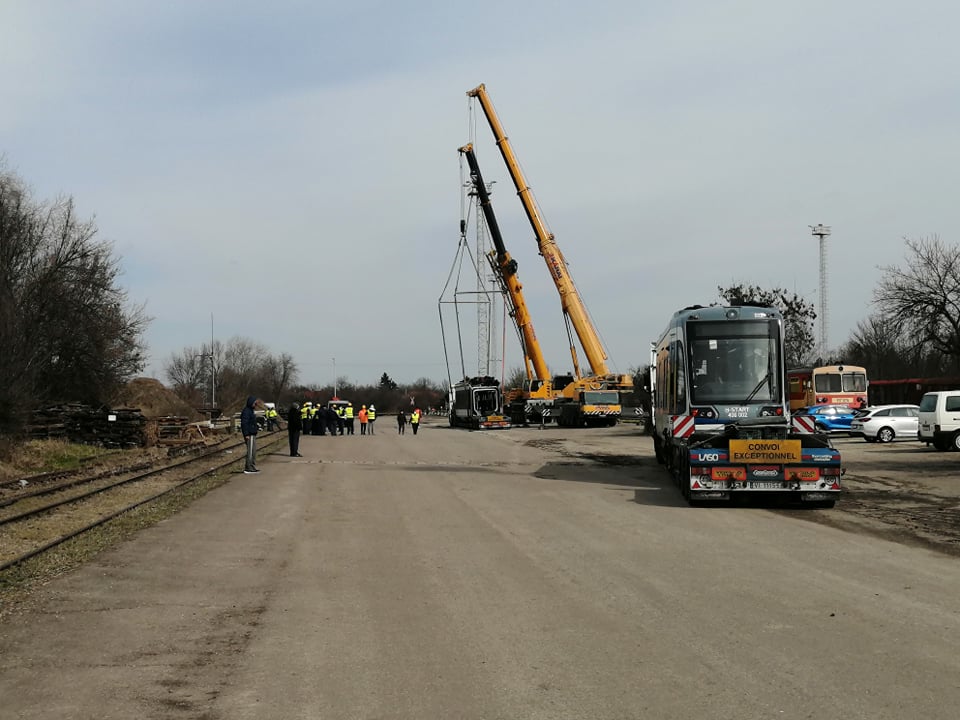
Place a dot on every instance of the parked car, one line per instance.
(829, 418)
(940, 419)
(885, 423)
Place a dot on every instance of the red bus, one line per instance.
(828, 385)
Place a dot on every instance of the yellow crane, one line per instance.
(586, 395)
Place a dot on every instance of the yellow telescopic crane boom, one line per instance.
(573, 308)
(505, 268)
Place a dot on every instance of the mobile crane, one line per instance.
(600, 386)
(536, 399)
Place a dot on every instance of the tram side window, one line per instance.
(681, 367)
(663, 380)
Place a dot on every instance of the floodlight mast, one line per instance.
(823, 232)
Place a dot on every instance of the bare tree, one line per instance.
(515, 378)
(67, 330)
(189, 373)
(922, 298)
(798, 317)
(280, 372)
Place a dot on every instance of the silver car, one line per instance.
(885, 423)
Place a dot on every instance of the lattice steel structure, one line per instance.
(823, 232)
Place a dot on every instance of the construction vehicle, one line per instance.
(534, 402)
(588, 399)
(477, 403)
(721, 411)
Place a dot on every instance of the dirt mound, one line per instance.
(153, 399)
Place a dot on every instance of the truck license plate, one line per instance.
(767, 485)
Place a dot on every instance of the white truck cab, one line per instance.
(940, 419)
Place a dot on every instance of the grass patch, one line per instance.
(34, 457)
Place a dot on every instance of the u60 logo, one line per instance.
(708, 457)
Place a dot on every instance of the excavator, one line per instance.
(577, 401)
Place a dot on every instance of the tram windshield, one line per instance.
(734, 362)
(486, 401)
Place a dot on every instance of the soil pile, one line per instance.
(153, 399)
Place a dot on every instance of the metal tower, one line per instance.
(823, 232)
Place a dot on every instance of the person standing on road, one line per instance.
(415, 420)
(401, 421)
(371, 417)
(348, 417)
(248, 426)
(294, 427)
(362, 417)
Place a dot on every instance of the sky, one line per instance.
(287, 171)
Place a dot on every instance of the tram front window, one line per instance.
(486, 401)
(733, 361)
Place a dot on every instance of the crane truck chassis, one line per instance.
(722, 424)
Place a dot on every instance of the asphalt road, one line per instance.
(488, 575)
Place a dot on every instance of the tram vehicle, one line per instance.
(477, 403)
(721, 416)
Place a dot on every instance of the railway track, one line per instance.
(36, 520)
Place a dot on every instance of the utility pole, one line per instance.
(334, 377)
(823, 232)
(213, 374)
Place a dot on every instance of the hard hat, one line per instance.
(364, 407)
(371, 406)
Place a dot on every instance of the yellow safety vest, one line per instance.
(415, 417)
(371, 414)
(348, 411)
(303, 412)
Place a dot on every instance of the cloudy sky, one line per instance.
(290, 168)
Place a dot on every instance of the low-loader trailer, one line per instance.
(721, 411)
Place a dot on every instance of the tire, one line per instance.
(885, 435)
(955, 441)
(821, 428)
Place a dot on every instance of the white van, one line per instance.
(940, 419)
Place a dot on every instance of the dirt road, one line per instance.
(516, 574)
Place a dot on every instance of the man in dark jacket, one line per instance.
(294, 426)
(330, 418)
(248, 426)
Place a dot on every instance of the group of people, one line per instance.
(414, 421)
(337, 419)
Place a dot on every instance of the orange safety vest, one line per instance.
(363, 417)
